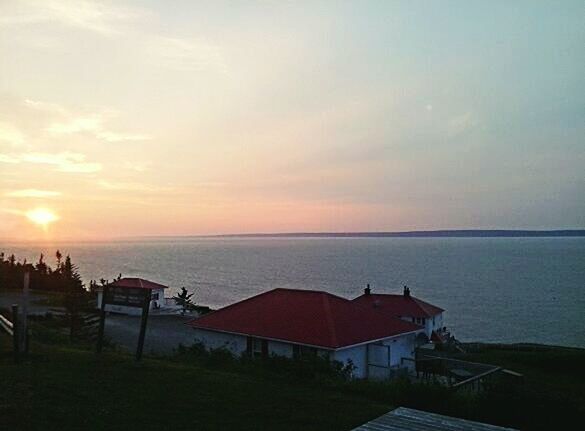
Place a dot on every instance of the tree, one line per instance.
(41, 267)
(184, 300)
(77, 302)
(59, 256)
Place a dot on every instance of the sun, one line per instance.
(42, 216)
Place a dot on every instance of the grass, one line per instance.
(65, 388)
(553, 392)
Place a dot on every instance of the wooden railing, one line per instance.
(458, 374)
(13, 329)
(6, 325)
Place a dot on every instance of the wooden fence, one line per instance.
(458, 374)
(14, 330)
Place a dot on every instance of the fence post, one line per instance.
(145, 309)
(25, 300)
(15, 332)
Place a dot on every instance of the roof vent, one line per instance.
(367, 290)
(406, 292)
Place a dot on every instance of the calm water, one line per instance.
(493, 289)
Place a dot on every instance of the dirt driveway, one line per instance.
(163, 333)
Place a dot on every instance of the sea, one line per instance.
(493, 289)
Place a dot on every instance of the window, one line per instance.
(424, 321)
(257, 347)
(154, 296)
(300, 352)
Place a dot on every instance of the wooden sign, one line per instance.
(128, 297)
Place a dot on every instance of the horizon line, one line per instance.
(436, 233)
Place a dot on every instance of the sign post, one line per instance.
(128, 297)
(145, 309)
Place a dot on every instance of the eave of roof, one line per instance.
(333, 349)
(136, 283)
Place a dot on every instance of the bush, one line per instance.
(313, 368)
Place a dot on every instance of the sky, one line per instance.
(131, 118)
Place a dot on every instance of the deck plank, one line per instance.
(405, 419)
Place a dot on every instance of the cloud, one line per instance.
(93, 124)
(32, 193)
(187, 54)
(98, 17)
(113, 21)
(130, 186)
(67, 123)
(45, 106)
(11, 135)
(63, 162)
(76, 125)
(137, 166)
(5, 158)
(120, 137)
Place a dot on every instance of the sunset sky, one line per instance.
(128, 118)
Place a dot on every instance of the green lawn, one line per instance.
(69, 388)
(73, 389)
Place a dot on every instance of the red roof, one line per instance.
(399, 305)
(134, 283)
(305, 317)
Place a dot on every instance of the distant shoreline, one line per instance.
(470, 233)
(446, 233)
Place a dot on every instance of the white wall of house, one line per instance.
(357, 355)
(434, 324)
(401, 346)
(157, 297)
(429, 324)
(237, 344)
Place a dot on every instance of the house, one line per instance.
(298, 323)
(408, 308)
(128, 286)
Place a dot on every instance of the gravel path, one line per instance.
(163, 333)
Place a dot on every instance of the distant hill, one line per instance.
(470, 233)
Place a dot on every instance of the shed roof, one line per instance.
(399, 305)
(404, 419)
(306, 317)
(140, 283)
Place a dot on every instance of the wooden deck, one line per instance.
(403, 419)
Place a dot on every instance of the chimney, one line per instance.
(367, 290)
(406, 292)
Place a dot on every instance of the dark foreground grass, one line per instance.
(553, 393)
(67, 389)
